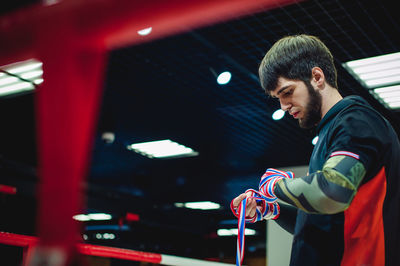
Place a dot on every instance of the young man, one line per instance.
(348, 206)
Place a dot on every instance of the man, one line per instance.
(348, 206)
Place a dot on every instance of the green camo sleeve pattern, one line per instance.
(326, 192)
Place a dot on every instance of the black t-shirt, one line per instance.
(368, 232)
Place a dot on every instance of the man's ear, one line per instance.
(318, 77)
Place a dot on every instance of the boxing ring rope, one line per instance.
(28, 242)
(72, 39)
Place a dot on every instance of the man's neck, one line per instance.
(330, 97)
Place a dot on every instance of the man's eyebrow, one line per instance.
(282, 89)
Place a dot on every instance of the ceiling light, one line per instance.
(224, 78)
(22, 67)
(38, 81)
(162, 149)
(15, 88)
(92, 217)
(278, 114)
(394, 105)
(32, 74)
(99, 216)
(389, 95)
(380, 74)
(108, 236)
(376, 71)
(8, 80)
(234, 231)
(81, 217)
(200, 205)
(224, 232)
(20, 76)
(145, 31)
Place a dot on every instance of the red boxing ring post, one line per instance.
(72, 38)
(29, 242)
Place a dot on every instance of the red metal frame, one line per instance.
(72, 38)
(8, 189)
(28, 242)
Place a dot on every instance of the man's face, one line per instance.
(301, 101)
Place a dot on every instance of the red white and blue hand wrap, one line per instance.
(267, 206)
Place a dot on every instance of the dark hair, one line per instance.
(293, 57)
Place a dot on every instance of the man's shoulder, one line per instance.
(356, 108)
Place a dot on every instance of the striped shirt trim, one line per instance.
(345, 153)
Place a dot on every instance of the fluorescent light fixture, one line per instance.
(376, 71)
(200, 205)
(30, 73)
(389, 95)
(38, 81)
(394, 105)
(25, 66)
(99, 216)
(224, 78)
(225, 232)
(162, 149)
(8, 80)
(15, 88)
(278, 114)
(381, 75)
(81, 217)
(314, 140)
(92, 217)
(145, 31)
(234, 231)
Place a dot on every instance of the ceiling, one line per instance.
(166, 89)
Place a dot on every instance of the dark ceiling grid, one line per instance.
(237, 92)
(361, 31)
(370, 25)
(337, 18)
(252, 133)
(244, 131)
(231, 43)
(321, 30)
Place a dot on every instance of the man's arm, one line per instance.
(326, 192)
(287, 217)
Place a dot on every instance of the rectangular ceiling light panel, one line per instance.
(199, 205)
(379, 74)
(389, 95)
(19, 77)
(234, 231)
(162, 149)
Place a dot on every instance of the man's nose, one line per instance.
(285, 106)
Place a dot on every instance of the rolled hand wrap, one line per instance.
(267, 206)
(268, 181)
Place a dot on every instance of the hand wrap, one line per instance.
(267, 206)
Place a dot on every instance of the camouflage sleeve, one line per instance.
(326, 192)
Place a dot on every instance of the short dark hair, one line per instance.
(293, 57)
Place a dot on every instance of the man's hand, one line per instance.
(250, 206)
(260, 204)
